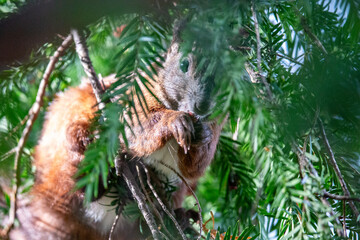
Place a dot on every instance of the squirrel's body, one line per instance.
(169, 132)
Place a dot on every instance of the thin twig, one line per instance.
(115, 221)
(337, 169)
(192, 192)
(33, 114)
(150, 201)
(344, 217)
(290, 59)
(308, 31)
(258, 41)
(340, 197)
(20, 124)
(138, 196)
(178, 227)
(82, 51)
(302, 160)
(312, 36)
(8, 154)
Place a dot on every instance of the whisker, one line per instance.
(172, 156)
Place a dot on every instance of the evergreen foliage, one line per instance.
(273, 167)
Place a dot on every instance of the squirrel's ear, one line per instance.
(179, 26)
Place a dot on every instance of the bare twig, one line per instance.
(8, 154)
(33, 114)
(258, 41)
(312, 36)
(340, 197)
(149, 200)
(344, 217)
(192, 192)
(138, 196)
(20, 124)
(290, 59)
(337, 169)
(115, 221)
(178, 227)
(303, 161)
(82, 51)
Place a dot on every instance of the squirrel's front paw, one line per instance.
(182, 129)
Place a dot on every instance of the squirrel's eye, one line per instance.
(184, 65)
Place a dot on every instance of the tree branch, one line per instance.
(337, 169)
(290, 59)
(115, 221)
(83, 53)
(340, 197)
(149, 200)
(312, 36)
(137, 194)
(32, 116)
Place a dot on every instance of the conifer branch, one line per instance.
(290, 59)
(31, 118)
(337, 169)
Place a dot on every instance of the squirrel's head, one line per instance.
(183, 84)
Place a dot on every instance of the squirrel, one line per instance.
(173, 130)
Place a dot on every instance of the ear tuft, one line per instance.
(179, 26)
